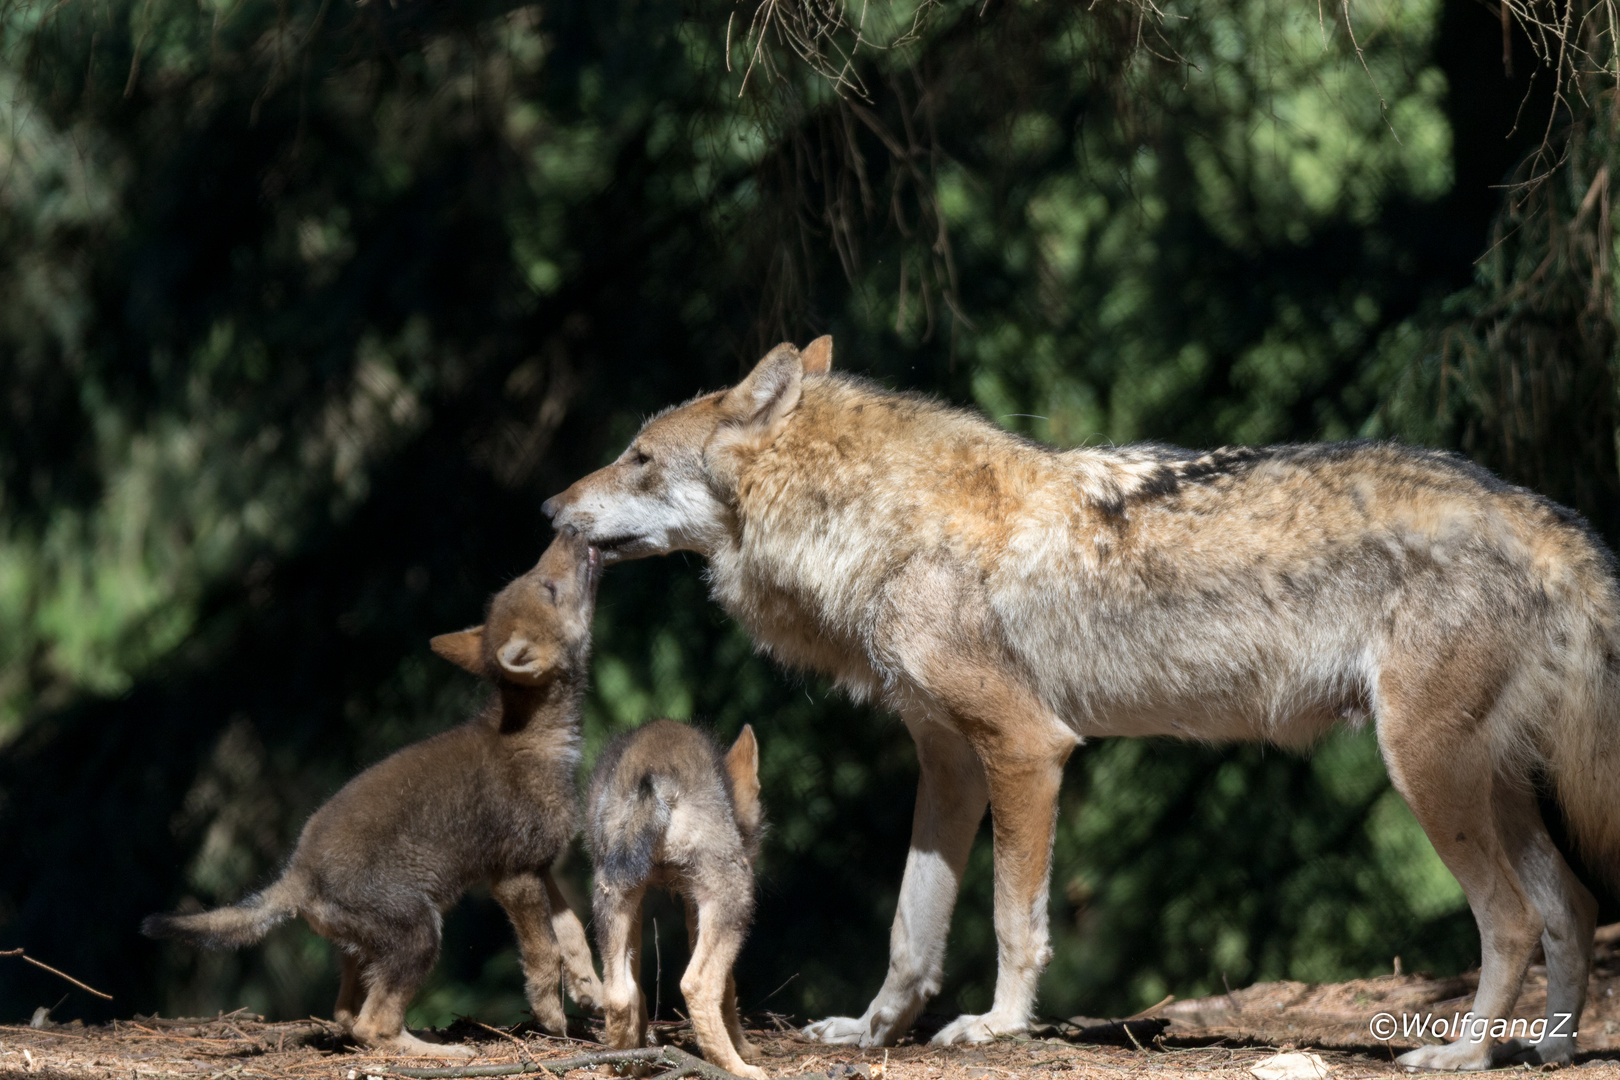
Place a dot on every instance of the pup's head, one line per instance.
(539, 626)
(671, 488)
(742, 767)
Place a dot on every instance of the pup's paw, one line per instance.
(1457, 1056)
(836, 1029)
(978, 1029)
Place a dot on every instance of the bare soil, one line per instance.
(1221, 1036)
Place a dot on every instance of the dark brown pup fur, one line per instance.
(492, 800)
(667, 809)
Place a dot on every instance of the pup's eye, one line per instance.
(551, 587)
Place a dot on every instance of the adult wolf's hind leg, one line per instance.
(1570, 914)
(951, 797)
(1436, 748)
(579, 973)
(528, 905)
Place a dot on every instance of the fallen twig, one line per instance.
(58, 974)
(681, 1064)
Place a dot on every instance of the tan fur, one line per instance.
(492, 800)
(1009, 600)
(665, 809)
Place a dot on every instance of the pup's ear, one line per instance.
(818, 355)
(465, 649)
(742, 765)
(528, 661)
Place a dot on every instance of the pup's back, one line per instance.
(663, 797)
(666, 808)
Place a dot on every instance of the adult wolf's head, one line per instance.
(671, 489)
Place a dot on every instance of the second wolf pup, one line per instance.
(492, 800)
(665, 808)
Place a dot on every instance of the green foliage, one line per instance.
(309, 304)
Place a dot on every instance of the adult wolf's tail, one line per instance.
(627, 836)
(235, 926)
(1584, 759)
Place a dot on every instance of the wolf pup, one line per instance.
(666, 809)
(1010, 600)
(492, 800)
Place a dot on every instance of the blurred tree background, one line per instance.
(305, 306)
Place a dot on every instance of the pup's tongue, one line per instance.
(593, 566)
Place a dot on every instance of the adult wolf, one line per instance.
(1010, 600)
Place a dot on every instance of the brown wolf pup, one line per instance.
(1010, 600)
(666, 809)
(492, 800)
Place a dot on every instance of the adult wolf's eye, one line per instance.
(641, 458)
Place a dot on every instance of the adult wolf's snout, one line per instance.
(549, 508)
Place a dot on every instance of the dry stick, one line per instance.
(682, 1063)
(58, 974)
(522, 1046)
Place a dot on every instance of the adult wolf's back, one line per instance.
(1009, 600)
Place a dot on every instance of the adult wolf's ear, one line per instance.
(817, 356)
(464, 648)
(753, 413)
(760, 404)
(742, 765)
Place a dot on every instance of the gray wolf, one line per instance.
(492, 800)
(665, 808)
(1009, 600)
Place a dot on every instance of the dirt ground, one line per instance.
(1224, 1036)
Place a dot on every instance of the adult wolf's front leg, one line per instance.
(951, 797)
(1024, 776)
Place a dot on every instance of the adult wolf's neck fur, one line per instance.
(831, 510)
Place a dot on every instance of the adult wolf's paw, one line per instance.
(836, 1029)
(1464, 1056)
(977, 1029)
(1553, 1050)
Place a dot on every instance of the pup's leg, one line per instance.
(579, 973)
(728, 1000)
(1570, 913)
(722, 920)
(399, 958)
(1432, 727)
(951, 796)
(351, 990)
(618, 938)
(527, 904)
(1024, 765)
(739, 1038)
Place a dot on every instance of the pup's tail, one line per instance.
(627, 839)
(235, 926)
